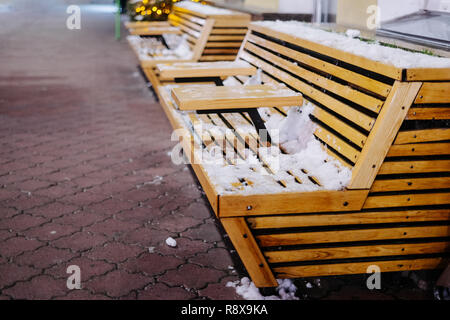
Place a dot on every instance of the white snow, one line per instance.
(247, 289)
(171, 242)
(151, 48)
(352, 33)
(205, 65)
(254, 80)
(392, 56)
(204, 9)
(304, 152)
(303, 157)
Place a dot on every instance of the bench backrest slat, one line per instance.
(360, 103)
(348, 97)
(222, 41)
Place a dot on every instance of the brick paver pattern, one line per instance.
(85, 173)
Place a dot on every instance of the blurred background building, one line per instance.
(423, 22)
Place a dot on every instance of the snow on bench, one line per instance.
(204, 69)
(397, 57)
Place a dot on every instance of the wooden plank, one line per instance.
(428, 114)
(151, 76)
(151, 63)
(383, 134)
(359, 267)
(291, 202)
(145, 24)
(189, 17)
(203, 39)
(369, 217)
(410, 184)
(301, 238)
(367, 101)
(343, 128)
(356, 252)
(219, 31)
(215, 57)
(333, 104)
(226, 38)
(188, 31)
(337, 144)
(235, 44)
(357, 79)
(204, 69)
(407, 167)
(425, 135)
(427, 74)
(404, 200)
(419, 149)
(230, 97)
(249, 252)
(233, 23)
(155, 31)
(187, 22)
(200, 172)
(363, 62)
(434, 92)
(232, 51)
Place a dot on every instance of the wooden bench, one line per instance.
(388, 125)
(212, 33)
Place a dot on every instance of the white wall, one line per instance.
(295, 6)
(391, 9)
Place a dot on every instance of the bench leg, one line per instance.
(249, 252)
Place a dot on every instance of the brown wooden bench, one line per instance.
(388, 125)
(212, 33)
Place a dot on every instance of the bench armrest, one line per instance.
(235, 97)
(205, 69)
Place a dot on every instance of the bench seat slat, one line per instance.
(235, 97)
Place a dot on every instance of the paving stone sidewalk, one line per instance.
(86, 178)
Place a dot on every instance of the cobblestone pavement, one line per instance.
(86, 179)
